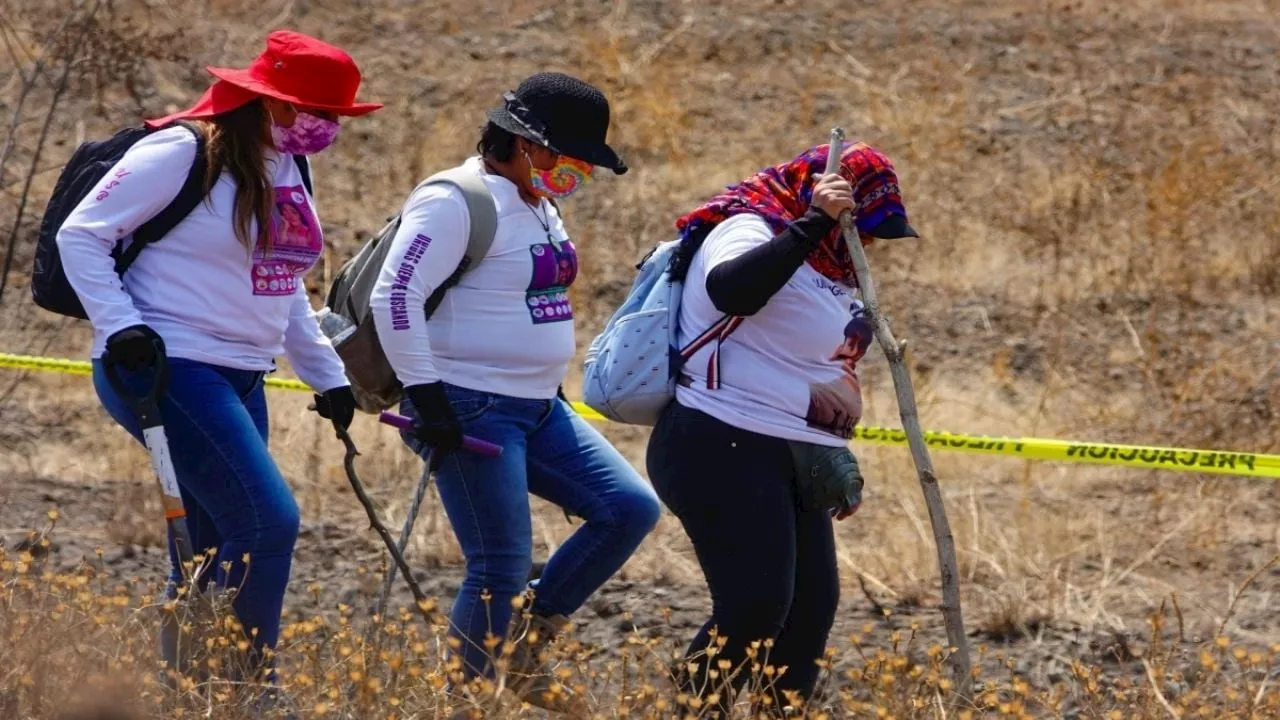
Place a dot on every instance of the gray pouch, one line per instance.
(827, 478)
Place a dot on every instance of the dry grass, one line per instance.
(75, 648)
(1102, 257)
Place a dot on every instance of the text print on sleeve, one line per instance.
(554, 270)
(116, 177)
(404, 274)
(296, 243)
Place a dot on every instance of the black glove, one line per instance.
(437, 425)
(135, 348)
(338, 406)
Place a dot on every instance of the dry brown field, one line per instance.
(1096, 184)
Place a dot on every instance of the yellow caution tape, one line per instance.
(1137, 456)
(1152, 458)
(81, 367)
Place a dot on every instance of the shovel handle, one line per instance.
(147, 405)
(470, 444)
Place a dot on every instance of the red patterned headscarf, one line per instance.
(781, 195)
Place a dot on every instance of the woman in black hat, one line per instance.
(489, 362)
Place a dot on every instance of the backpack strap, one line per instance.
(189, 196)
(484, 224)
(304, 167)
(719, 331)
(726, 326)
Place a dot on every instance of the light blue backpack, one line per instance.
(630, 372)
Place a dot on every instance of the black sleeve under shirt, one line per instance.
(743, 285)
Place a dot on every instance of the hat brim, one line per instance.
(600, 155)
(242, 79)
(894, 227)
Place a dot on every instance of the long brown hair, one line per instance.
(237, 142)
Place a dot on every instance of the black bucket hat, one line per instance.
(563, 113)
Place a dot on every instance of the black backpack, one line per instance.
(88, 164)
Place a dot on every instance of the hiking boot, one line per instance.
(528, 673)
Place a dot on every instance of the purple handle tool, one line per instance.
(470, 444)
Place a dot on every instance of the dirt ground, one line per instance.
(1096, 185)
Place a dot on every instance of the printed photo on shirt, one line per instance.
(835, 406)
(296, 244)
(295, 231)
(554, 270)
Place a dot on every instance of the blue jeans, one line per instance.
(237, 501)
(551, 452)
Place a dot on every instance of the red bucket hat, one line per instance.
(295, 68)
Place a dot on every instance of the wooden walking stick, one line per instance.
(894, 353)
(418, 494)
(349, 464)
(470, 445)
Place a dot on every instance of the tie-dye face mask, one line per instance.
(309, 134)
(562, 180)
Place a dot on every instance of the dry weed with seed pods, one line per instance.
(1095, 184)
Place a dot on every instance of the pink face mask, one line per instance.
(309, 134)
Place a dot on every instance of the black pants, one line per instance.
(771, 567)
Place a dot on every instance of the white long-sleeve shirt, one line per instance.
(198, 287)
(507, 326)
(790, 370)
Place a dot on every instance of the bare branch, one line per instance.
(1155, 689)
(8, 32)
(418, 494)
(349, 464)
(1231, 609)
(58, 92)
(28, 83)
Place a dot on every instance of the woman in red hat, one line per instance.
(212, 304)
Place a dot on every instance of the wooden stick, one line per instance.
(1231, 609)
(28, 83)
(63, 82)
(893, 352)
(418, 494)
(349, 464)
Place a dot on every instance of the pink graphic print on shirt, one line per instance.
(296, 243)
(554, 270)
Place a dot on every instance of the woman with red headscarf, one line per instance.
(211, 305)
(752, 456)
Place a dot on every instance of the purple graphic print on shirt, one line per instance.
(296, 243)
(404, 275)
(554, 270)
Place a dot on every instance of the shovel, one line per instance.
(147, 409)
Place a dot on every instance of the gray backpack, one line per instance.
(347, 319)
